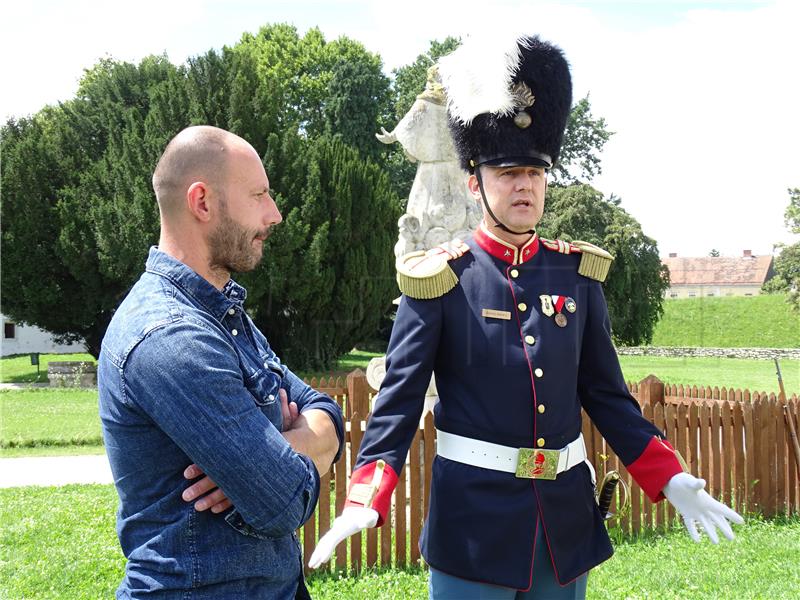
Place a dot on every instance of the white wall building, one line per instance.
(24, 339)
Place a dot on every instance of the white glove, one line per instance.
(687, 494)
(352, 520)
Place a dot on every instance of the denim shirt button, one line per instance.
(272, 396)
(234, 332)
(232, 311)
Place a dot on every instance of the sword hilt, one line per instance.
(606, 494)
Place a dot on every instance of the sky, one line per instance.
(702, 96)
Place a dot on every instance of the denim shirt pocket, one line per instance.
(264, 385)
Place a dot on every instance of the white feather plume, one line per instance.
(477, 76)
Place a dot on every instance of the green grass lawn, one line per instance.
(760, 563)
(730, 322)
(755, 375)
(44, 417)
(63, 421)
(356, 359)
(52, 451)
(61, 543)
(18, 369)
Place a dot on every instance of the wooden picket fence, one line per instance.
(738, 441)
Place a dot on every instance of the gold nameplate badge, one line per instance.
(496, 314)
(537, 464)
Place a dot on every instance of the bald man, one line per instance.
(190, 389)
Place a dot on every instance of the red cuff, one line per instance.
(382, 500)
(655, 467)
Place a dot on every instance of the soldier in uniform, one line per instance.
(516, 330)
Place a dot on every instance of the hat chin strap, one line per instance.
(497, 221)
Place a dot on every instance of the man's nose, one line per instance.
(273, 214)
(524, 181)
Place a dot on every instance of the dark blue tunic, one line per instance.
(514, 378)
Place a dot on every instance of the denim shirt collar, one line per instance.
(215, 301)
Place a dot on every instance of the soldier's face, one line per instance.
(515, 194)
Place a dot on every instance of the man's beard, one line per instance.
(231, 246)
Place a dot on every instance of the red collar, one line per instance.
(503, 250)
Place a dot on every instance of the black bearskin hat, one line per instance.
(507, 101)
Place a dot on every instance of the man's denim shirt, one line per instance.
(185, 376)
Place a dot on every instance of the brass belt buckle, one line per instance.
(537, 464)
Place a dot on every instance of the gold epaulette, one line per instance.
(595, 262)
(425, 275)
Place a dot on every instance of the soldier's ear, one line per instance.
(474, 186)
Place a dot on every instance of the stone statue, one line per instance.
(440, 207)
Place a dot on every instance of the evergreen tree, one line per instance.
(329, 268)
(79, 213)
(38, 161)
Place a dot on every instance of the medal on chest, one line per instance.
(554, 305)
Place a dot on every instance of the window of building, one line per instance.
(673, 295)
(9, 331)
(710, 294)
(748, 294)
(692, 294)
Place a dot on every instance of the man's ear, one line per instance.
(474, 186)
(197, 197)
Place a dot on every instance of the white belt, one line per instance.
(527, 463)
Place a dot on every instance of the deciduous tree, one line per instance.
(637, 280)
(792, 214)
(787, 263)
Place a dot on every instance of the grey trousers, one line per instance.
(545, 585)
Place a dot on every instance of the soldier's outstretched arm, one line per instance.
(648, 456)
